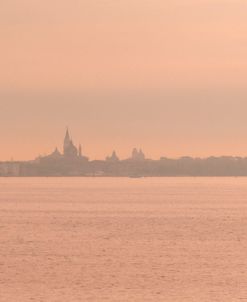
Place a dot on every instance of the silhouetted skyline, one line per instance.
(169, 76)
(73, 162)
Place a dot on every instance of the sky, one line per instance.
(166, 76)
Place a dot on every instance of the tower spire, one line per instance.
(66, 142)
(67, 136)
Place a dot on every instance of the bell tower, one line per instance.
(67, 141)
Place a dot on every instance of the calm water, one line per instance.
(99, 239)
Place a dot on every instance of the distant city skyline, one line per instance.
(79, 149)
(70, 152)
(166, 76)
(71, 161)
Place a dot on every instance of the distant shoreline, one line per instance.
(141, 177)
(71, 162)
(133, 168)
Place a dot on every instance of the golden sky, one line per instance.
(167, 76)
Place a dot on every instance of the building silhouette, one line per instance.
(137, 155)
(113, 157)
(70, 152)
(72, 162)
(69, 149)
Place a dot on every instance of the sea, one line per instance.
(123, 239)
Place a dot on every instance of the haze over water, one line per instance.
(165, 76)
(121, 239)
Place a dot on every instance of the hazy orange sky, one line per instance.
(167, 76)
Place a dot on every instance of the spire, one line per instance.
(67, 137)
(67, 140)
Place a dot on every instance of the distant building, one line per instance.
(72, 162)
(55, 155)
(79, 151)
(70, 152)
(69, 149)
(137, 155)
(9, 169)
(113, 157)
